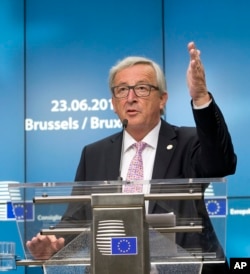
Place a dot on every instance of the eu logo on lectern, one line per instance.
(124, 246)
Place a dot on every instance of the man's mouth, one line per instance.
(132, 111)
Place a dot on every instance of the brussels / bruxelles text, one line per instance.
(57, 120)
(71, 124)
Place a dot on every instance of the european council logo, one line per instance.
(111, 239)
(216, 207)
(124, 246)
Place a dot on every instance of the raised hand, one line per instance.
(196, 79)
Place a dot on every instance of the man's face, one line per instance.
(142, 113)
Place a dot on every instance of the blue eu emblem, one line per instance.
(216, 207)
(20, 211)
(124, 246)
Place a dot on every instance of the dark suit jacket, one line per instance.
(204, 151)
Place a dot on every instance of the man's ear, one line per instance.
(114, 105)
(164, 99)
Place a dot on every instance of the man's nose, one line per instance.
(131, 95)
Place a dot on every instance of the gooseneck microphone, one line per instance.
(124, 125)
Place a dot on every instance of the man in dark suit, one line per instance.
(139, 97)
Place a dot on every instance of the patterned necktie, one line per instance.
(135, 171)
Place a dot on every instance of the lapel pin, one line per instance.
(169, 147)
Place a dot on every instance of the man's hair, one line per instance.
(135, 60)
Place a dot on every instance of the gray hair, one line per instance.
(134, 60)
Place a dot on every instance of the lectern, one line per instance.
(166, 229)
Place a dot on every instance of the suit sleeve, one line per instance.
(215, 157)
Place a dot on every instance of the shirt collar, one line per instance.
(151, 138)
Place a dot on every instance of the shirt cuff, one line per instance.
(202, 106)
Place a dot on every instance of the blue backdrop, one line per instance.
(54, 63)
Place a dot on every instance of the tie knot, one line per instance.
(139, 146)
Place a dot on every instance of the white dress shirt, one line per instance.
(148, 154)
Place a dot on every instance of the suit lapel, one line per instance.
(112, 164)
(165, 151)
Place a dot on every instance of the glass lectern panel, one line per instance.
(166, 225)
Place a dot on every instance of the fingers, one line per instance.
(39, 239)
(60, 243)
(195, 68)
(44, 246)
(196, 76)
(195, 61)
(35, 240)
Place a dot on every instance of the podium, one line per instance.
(173, 226)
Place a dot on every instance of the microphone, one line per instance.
(124, 125)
